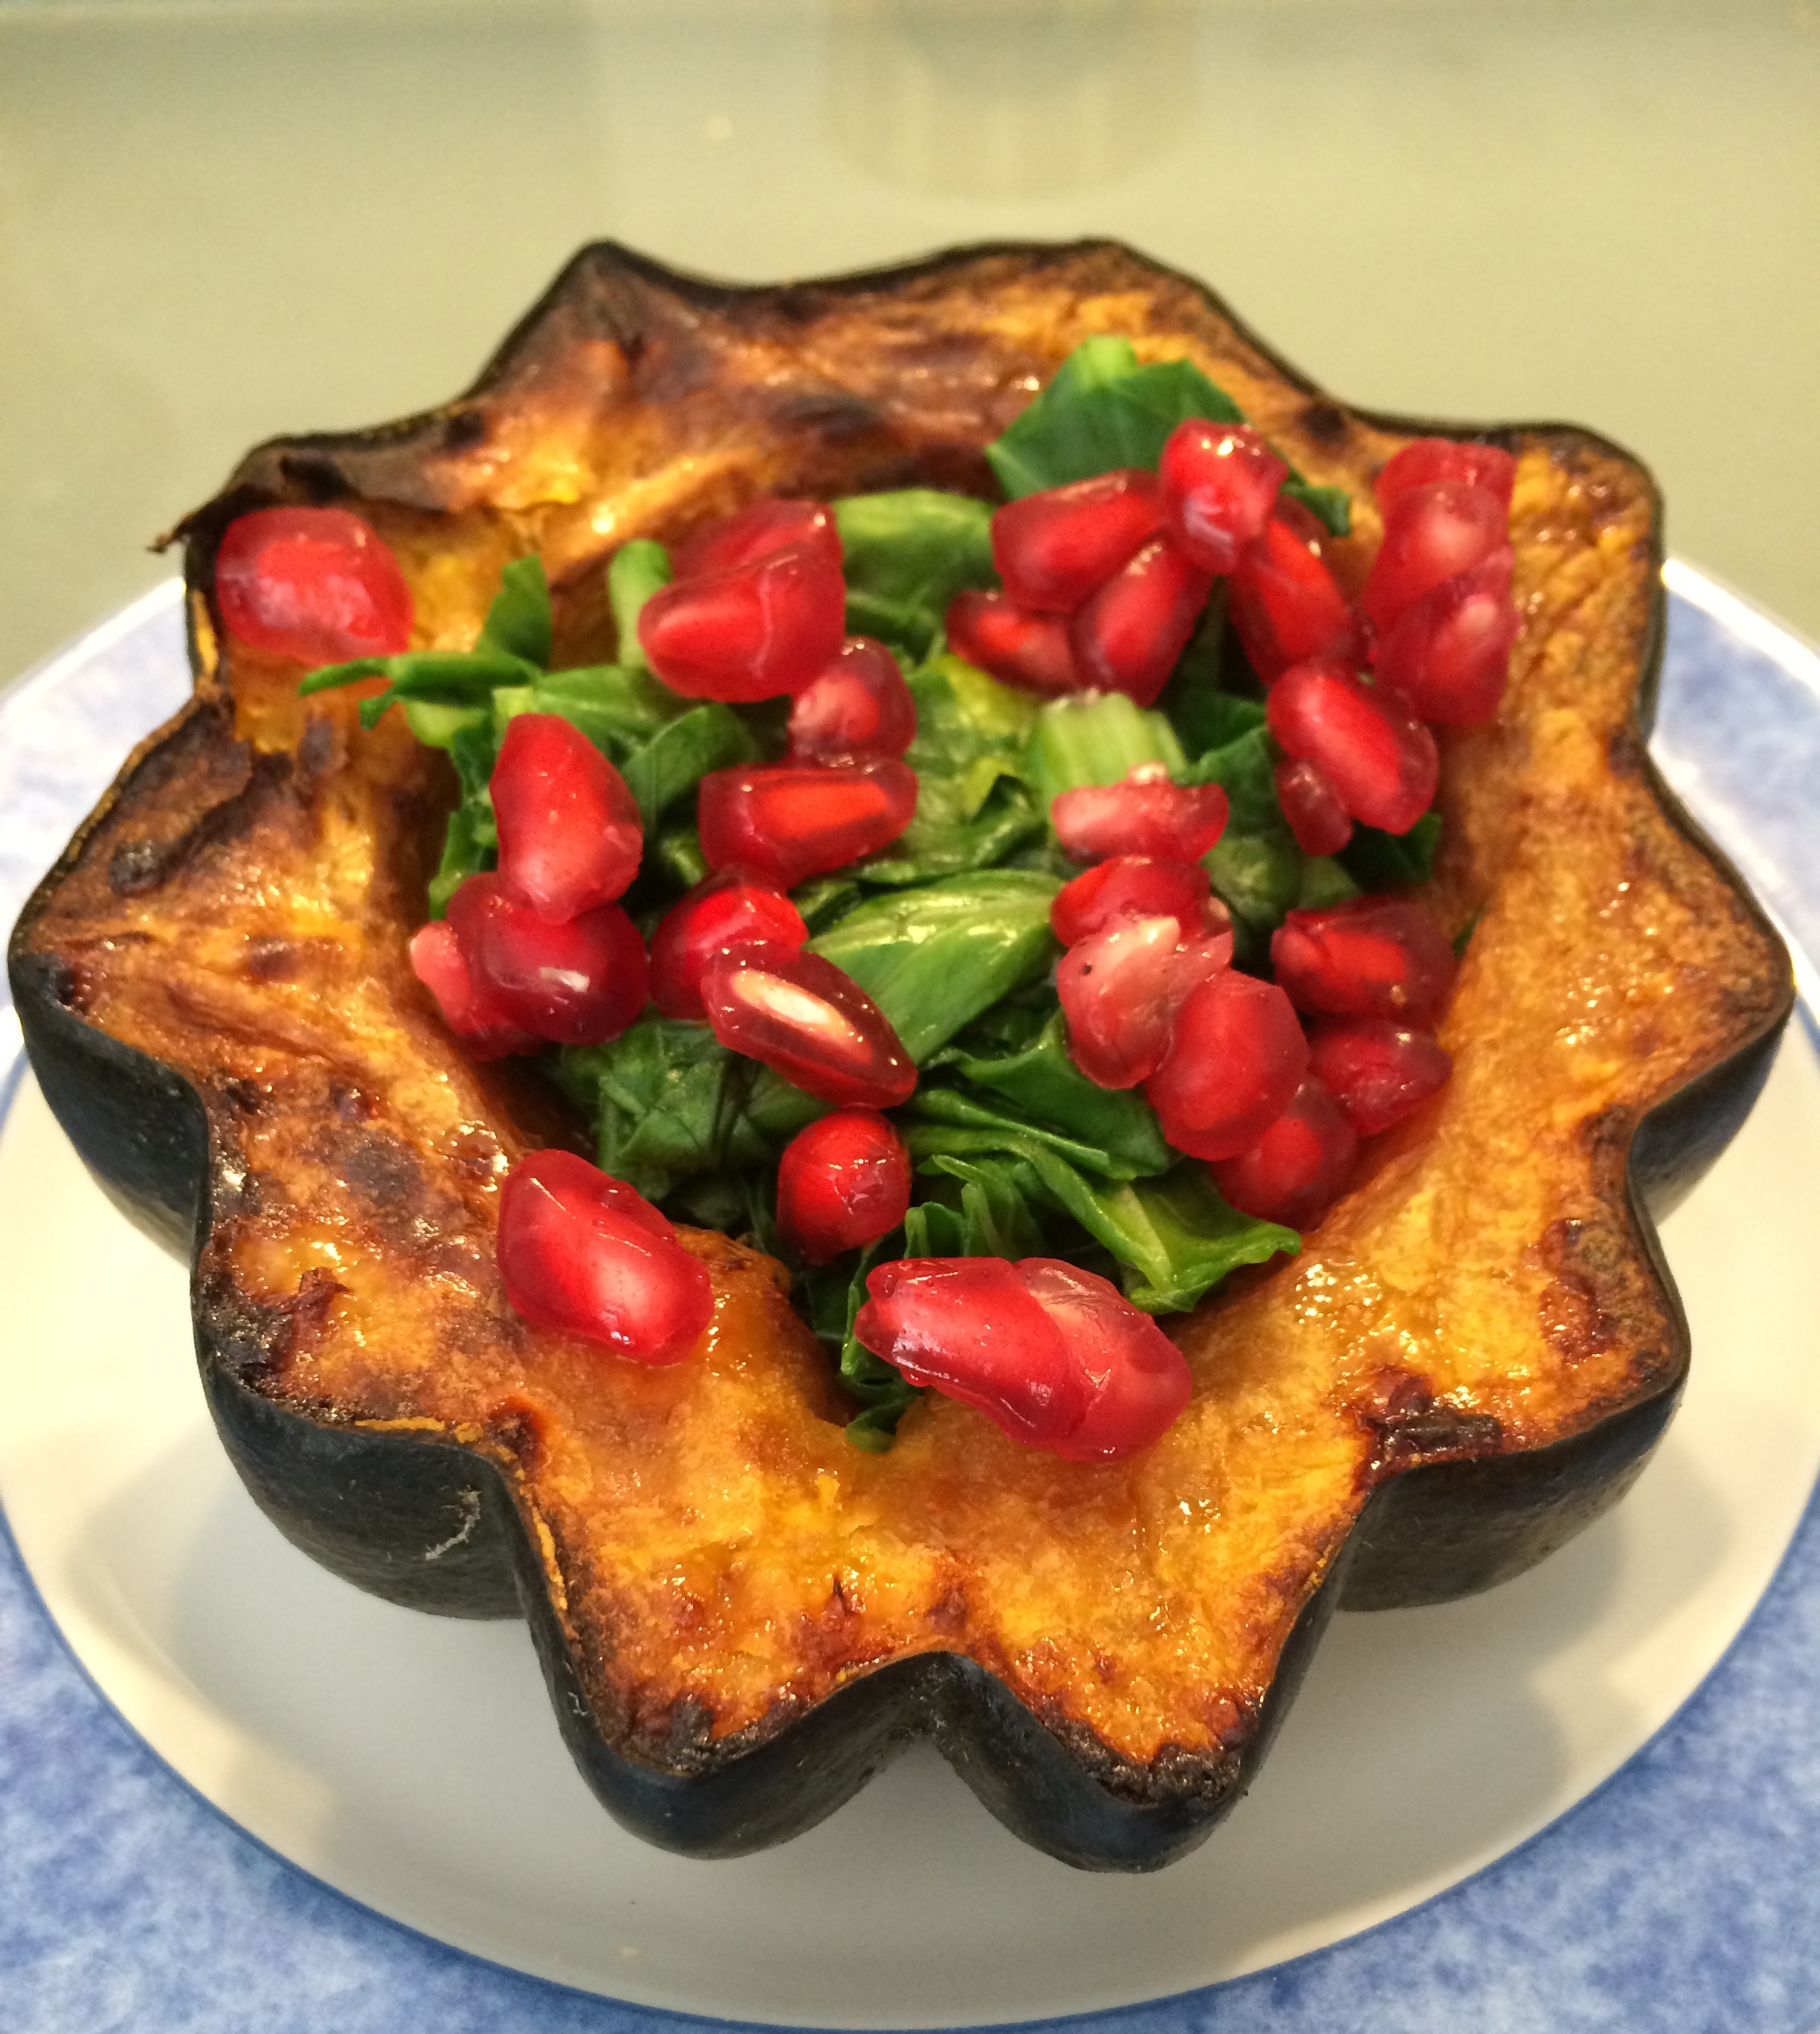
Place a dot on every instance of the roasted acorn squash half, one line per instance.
(740, 1615)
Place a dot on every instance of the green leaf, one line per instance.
(1377, 860)
(1043, 1083)
(449, 675)
(1102, 409)
(1181, 1238)
(934, 957)
(668, 1101)
(618, 707)
(973, 810)
(1332, 506)
(826, 900)
(997, 1218)
(675, 760)
(436, 725)
(1096, 738)
(1324, 883)
(518, 624)
(905, 555)
(946, 1119)
(469, 846)
(637, 569)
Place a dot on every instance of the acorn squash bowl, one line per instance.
(740, 1615)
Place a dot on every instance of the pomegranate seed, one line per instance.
(483, 1031)
(1321, 824)
(1299, 1167)
(1381, 764)
(750, 633)
(1054, 549)
(1447, 655)
(1220, 482)
(1430, 460)
(801, 1015)
(569, 833)
(1016, 644)
(1234, 1063)
(843, 1181)
(968, 1328)
(313, 583)
(577, 982)
(1378, 1070)
(1431, 534)
(858, 706)
(581, 1253)
(1285, 604)
(755, 532)
(1137, 1379)
(1121, 990)
(1136, 886)
(1368, 957)
(1145, 814)
(791, 821)
(1126, 638)
(731, 910)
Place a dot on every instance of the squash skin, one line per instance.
(1449, 1498)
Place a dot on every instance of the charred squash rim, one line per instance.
(427, 1522)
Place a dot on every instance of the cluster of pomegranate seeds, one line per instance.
(1297, 1168)
(584, 1253)
(791, 821)
(1379, 763)
(541, 951)
(1055, 1356)
(313, 583)
(1145, 814)
(1120, 989)
(570, 836)
(1221, 482)
(757, 608)
(729, 910)
(809, 1021)
(843, 1182)
(1439, 592)
(1283, 601)
(859, 706)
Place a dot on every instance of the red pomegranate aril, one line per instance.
(1220, 482)
(791, 821)
(1431, 533)
(755, 532)
(570, 836)
(1378, 1070)
(1380, 763)
(731, 910)
(1368, 957)
(1017, 645)
(803, 1018)
(1321, 824)
(1136, 886)
(751, 632)
(483, 1031)
(1236, 1058)
(1137, 1380)
(1430, 460)
(1120, 990)
(969, 1328)
(858, 706)
(843, 1182)
(1447, 656)
(577, 982)
(1054, 548)
(583, 1253)
(1126, 637)
(1299, 1167)
(1283, 601)
(315, 584)
(1145, 814)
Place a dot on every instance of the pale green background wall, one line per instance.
(218, 222)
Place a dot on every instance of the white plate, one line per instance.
(412, 1762)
